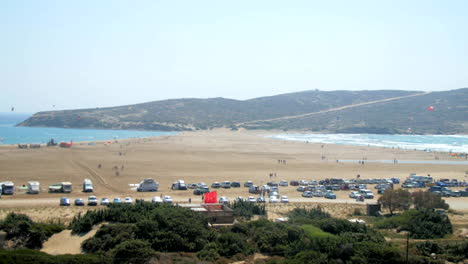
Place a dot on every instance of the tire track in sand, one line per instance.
(95, 176)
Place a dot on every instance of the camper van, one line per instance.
(61, 187)
(87, 186)
(33, 187)
(148, 185)
(179, 185)
(8, 187)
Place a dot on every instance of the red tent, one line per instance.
(211, 197)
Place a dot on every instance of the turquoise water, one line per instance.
(9, 134)
(444, 143)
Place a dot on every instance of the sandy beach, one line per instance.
(205, 156)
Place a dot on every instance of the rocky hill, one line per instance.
(388, 111)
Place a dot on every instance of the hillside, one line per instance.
(362, 111)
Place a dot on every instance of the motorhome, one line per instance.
(88, 185)
(148, 185)
(8, 187)
(179, 185)
(33, 187)
(61, 187)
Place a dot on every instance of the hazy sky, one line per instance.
(77, 54)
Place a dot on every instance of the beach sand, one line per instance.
(205, 156)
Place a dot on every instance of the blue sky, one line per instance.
(80, 54)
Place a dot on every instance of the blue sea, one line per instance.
(9, 134)
(442, 143)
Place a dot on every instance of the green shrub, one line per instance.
(132, 251)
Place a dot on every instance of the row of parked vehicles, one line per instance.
(93, 201)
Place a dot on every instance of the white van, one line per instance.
(148, 185)
(8, 187)
(33, 187)
(88, 185)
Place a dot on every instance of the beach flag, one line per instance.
(211, 197)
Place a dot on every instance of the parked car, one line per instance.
(202, 184)
(216, 185)
(261, 199)
(284, 199)
(318, 193)
(272, 183)
(167, 199)
(223, 200)
(354, 194)
(92, 200)
(248, 183)
(330, 195)
(64, 201)
(367, 194)
(235, 184)
(301, 188)
(294, 183)
(192, 186)
(251, 199)
(128, 200)
(307, 194)
(79, 202)
(226, 184)
(273, 199)
(239, 199)
(156, 199)
(105, 201)
(117, 200)
(201, 190)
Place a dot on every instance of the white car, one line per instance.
(283, 183)
(117, 200)
(128, 200)
(223, 200)
(167, 199)
(284, 199)
(276, 194)
(105, 201)
(354, 194)
(274, 199)
(156, 199)
(92, 200)
(251, 199)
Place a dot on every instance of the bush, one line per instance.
(230, 244)
(27, 233)
(247, 209)
(422, 224)
(132, 251)
(209, 252)
(23, 256)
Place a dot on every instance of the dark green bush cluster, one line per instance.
(26, 233)
(26, 256)
(247, 209)
(453, 252)
(422, 224)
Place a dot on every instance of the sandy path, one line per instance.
(66, 243)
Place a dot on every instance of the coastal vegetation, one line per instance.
(146, 232)
(335, 111)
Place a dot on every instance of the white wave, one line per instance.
(444, 143)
